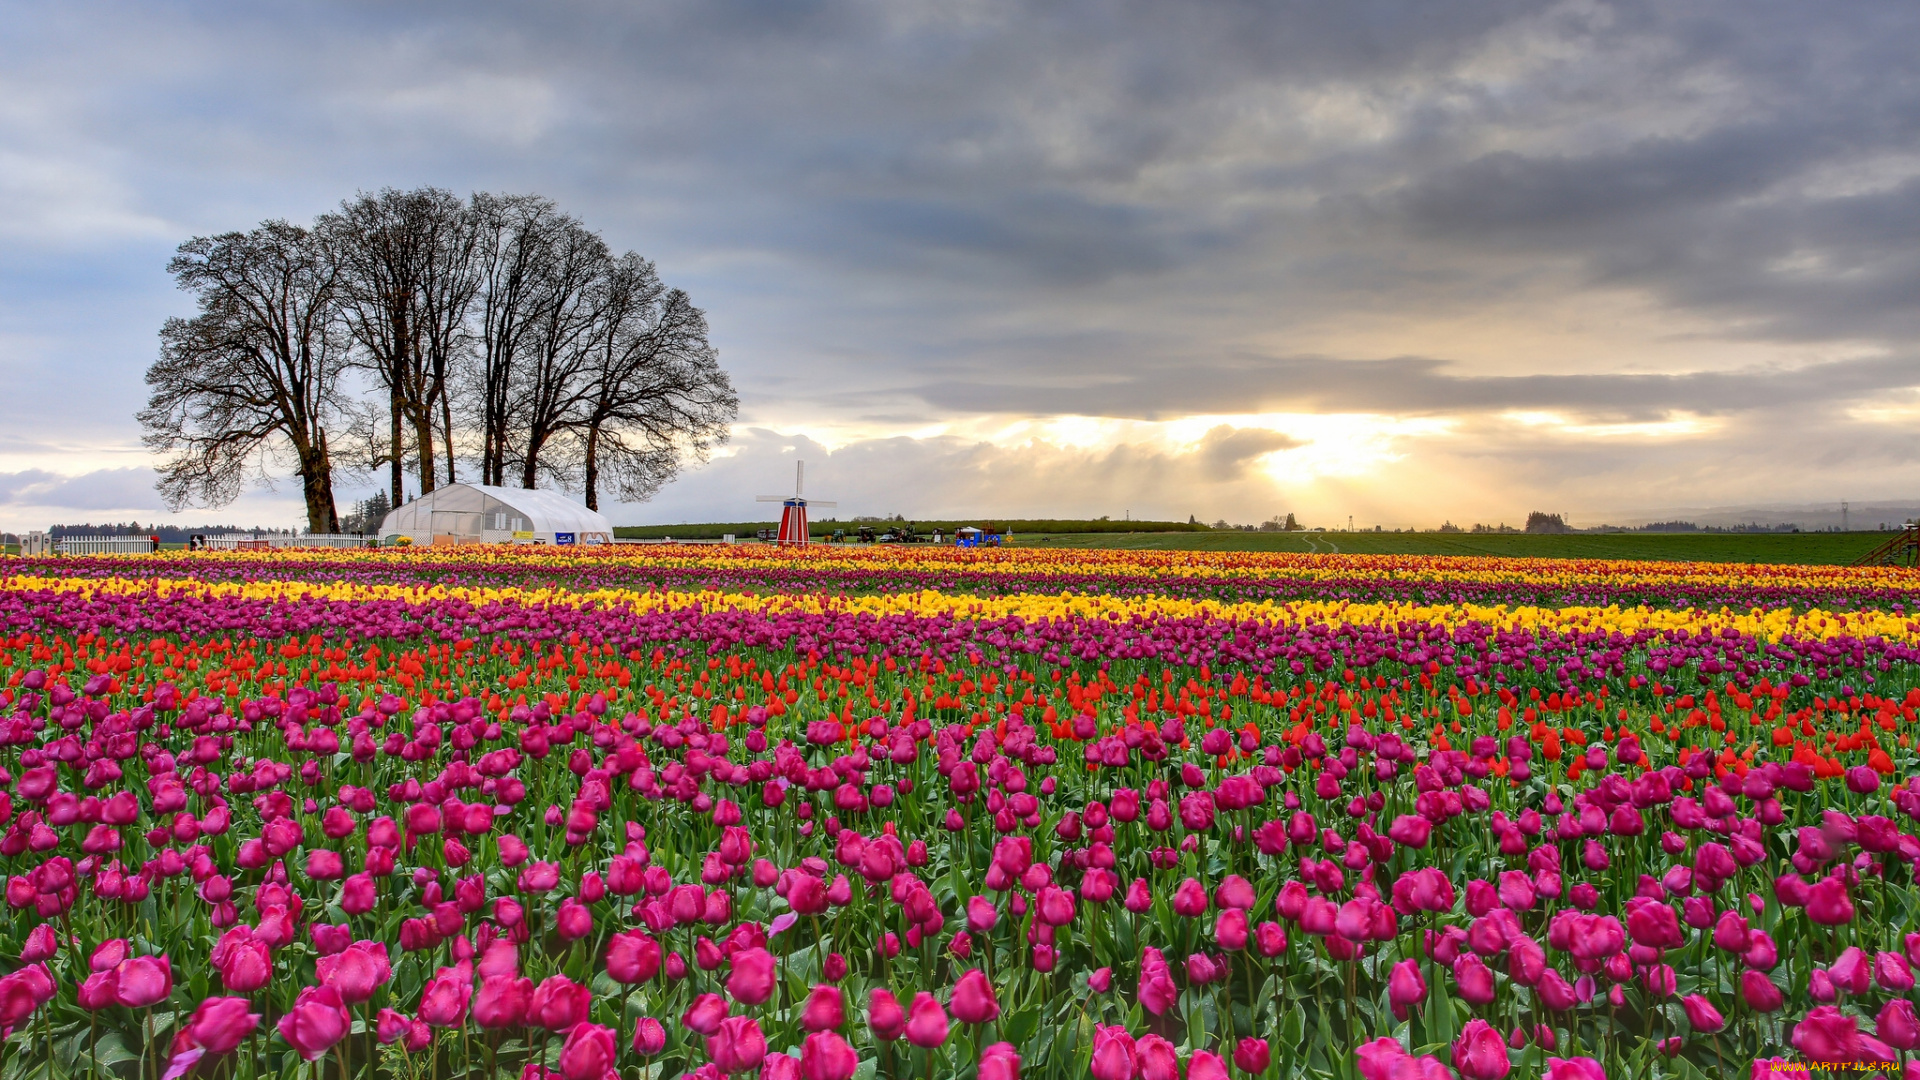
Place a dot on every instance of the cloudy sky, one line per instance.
(1403, 260)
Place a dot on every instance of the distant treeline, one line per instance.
(168, 534)
(714, 531)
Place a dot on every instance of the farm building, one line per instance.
(484, 514)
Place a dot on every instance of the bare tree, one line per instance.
(655, 395)
(568, 306)
(409, 276)
(253, 377)
(512, 256)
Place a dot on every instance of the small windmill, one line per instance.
(793, 513)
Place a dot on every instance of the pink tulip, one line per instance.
(885, 1016)
(1759, 992)
(1251, 1055)
(1157, 1059)
(649, 1037)
(317, 1020)
(826, 1056)
(633, 957)
(502, 1001)
(97, 991)
(999, 1061)
(1480, 1053)
(573, 920)
(926, 1021)
(1406, 987)
(705, 1014)
(1113, 1053)
(824, 1009)
(1892, 973)
(1474, 981)
(143, 981)
(973, 1001)
(357, 971)
(1579, 1068)
(1896, 1025)
(1829, 1035)
(751, 982)
(559, 1003)
(590, 1052)
(445, 998)
(738, 1045)
(1828, 903)
(1701, 1014)
(1204, 1065)
(221, 1024)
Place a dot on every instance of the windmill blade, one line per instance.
(799, 476)
(821, 502)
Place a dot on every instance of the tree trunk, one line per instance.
(535, 442)
(593, 467)
(446, 430)
(423, 438)
(316, 481)
(399, 475)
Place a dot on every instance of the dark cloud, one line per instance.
(1424, 386)
(902, 213)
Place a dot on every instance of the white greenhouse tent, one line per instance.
(484, 514)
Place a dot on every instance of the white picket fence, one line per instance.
(107, 545)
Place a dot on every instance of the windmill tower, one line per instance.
(793, 513)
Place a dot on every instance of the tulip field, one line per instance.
(844, 814)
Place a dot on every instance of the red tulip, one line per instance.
(1252, 1055)
(444, 1000)
(502, 1001)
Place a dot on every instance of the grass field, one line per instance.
(1830, 549)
